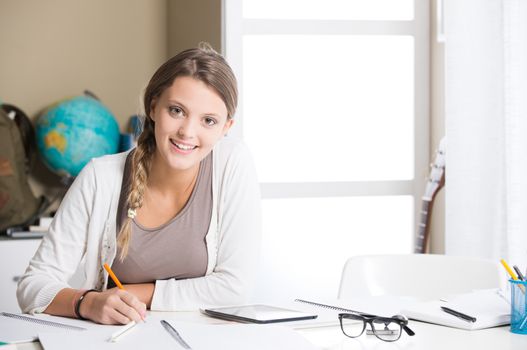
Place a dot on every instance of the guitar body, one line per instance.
(435, 182)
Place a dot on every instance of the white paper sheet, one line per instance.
(149, 335)
(152, 335)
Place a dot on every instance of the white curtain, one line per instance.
(486, 129)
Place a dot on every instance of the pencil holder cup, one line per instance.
(518, 307)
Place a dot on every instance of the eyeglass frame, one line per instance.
(367, 318)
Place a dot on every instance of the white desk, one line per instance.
(428, 336)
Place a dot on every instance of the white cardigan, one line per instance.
(84, 232)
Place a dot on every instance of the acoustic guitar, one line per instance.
(436, 181)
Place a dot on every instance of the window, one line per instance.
(334, 106)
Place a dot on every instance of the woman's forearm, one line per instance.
(63, 303)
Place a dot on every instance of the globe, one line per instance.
(73, 131)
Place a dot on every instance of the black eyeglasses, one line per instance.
(384, 328)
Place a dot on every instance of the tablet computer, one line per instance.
(258, 314)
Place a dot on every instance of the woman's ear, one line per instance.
(152, 113)
(227, 126)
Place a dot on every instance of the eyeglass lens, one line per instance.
(351, 326)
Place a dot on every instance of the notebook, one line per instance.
(21, 328)
(488, 306)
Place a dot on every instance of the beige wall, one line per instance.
(190, 22)
(57, 48)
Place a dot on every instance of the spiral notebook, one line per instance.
(327, 307)
(21, 328)
(328, 310)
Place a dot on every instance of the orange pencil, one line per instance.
(115, 279)
(113, 276)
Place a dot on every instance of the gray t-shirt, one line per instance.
(176, 249)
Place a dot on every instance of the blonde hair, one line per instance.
(201, 63)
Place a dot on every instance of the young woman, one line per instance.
(177, 218)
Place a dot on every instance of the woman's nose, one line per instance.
(187, 129)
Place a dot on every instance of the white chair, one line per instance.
(423, 276)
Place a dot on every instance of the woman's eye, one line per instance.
(175, 110)
(210, 121)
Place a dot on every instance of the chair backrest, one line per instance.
(424, 276)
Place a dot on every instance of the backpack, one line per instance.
(18, 205)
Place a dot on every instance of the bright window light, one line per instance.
(306, 241)
(329, 107)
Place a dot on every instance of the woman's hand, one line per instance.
(113, 306)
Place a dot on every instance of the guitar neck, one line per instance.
(435, 182)
(423, 229)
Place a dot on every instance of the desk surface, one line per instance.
(428, 336)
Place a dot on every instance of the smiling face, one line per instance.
(190, 118)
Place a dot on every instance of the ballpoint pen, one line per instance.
(175, 334)
(458, 314)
